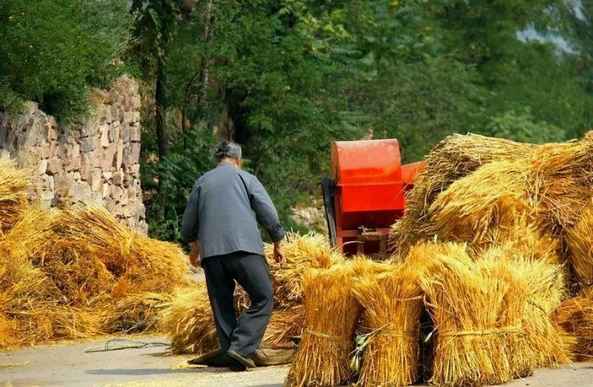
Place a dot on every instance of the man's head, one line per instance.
(229, 152)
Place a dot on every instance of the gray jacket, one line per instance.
(223, 210)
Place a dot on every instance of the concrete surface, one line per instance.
(67, 364)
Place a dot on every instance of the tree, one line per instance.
(155, 23)
(52, 51)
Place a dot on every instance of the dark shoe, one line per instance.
(272, 357)
(243, 361)
(212, 359)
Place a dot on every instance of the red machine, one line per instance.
(366, 194)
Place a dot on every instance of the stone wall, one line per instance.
(96, 161)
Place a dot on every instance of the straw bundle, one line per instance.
(331, 313)
(575, 315)
(562, 176)
(284, 325)
(188, 320)
(61, 276)
(125, 253)
(392, 304)
(477, 309)
(580, 246)
(492, 196)
(552, 183)
(524, 236)
(13, 193)
(300, 253)
(453, 158)
(546, 344)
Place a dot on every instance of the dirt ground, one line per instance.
(69, 364)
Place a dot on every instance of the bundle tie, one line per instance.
(386, 330)
(486, 332)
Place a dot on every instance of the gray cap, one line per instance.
(228, 149)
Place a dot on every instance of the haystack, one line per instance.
(138, 312)
(189, 322)
(137, 261)
(492, 196)
(301, 252)
(575, 316)
(524, 236)
(473, 183)
(547, 344)
(13, 193)
(453, 158)
(331, 313)
(580, 244)
(561, 181)
(70, 274)
(392, 303)
(477, 310)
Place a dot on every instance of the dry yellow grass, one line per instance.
(548, 344)
(189, 322)
(331, 313)
(575, 316)
(13, 193)
(392, 303)
(453, 158)
(71, 274)
(466, 305)
(474, 183)
(491, 313)
(187, 319)
(301, 252)
(491, 197)
(525, 236)
(580, 244)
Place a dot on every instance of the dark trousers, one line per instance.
(243, 334)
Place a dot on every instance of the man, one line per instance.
(220, 222)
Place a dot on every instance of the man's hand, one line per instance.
(278, 257)
(194, 255)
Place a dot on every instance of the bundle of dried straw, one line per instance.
(301, 252)
(392, 303)
(501, 296)
(13, 193)
(453, 158)
(575, 316)
(331, 313)
(580, 246)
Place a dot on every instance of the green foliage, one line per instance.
(520, 126)
(188, 159)
(52, 51)
(285, 78)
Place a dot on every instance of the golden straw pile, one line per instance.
(522, 211)
(473, 184)
(490, 324)
(392, 303)
(580, 245)
(76, 273)
(331, 313)
(575, 315)
(13, 193)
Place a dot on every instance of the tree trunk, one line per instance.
(159, 98)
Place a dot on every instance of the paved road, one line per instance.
(67, 364)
